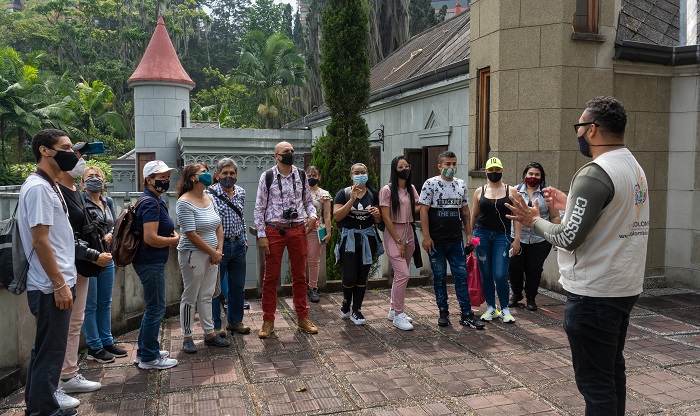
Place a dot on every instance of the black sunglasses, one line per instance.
(588, 123)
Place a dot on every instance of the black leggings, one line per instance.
(355, 273)
(528, 263)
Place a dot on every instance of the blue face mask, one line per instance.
(360, 180)
(205, 178)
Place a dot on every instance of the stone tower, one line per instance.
(161, 103)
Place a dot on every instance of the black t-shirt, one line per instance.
(359, 216)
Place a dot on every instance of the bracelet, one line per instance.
(60, 287)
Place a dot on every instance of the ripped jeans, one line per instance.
(492, 253)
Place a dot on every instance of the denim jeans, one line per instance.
(492, 253)
(597, 328)
(97, 325)
(153, 280)
(232, 275)
(47, 354)
(455, 255)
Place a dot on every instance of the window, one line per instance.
(183, 119)
(586, 16)
(483, 117)
(377, 163)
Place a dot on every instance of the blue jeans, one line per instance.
(455, 255)
(492, 253)
(97, 325)
(153, 280)
(232, 275)
(597, 328)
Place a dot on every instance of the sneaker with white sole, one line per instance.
(402, 321)
(490, 314)
(101, 356)
(158, 364)
(506, 316)
(163, 354)
(345, 309)
(64, 400)
(357, 318)
(78, 384)
(392, 315)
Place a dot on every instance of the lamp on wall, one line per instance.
(379, 138)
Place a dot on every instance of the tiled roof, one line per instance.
(655, 22)
(160, 61)
(442, 44)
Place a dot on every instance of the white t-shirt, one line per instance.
(40, 205)
(445, 199)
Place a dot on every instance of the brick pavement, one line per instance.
(519, 369)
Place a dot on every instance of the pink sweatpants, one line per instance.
(313, 258)
(399, 264)
(70, 361)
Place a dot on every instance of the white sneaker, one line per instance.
(64, 400)
(402, 321)
(391, 316)
(490, 313)
(78, 384)
(158, 364)
(506, 316)
(163, 354)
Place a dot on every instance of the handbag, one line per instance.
(476, 293)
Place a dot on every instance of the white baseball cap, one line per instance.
(155, 167)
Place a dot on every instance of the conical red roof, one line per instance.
(160, 62)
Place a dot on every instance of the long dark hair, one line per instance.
(394, 182)
(190, 171)
(543, 183)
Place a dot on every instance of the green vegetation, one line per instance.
(345, 71)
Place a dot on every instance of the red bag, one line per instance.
(476, 294)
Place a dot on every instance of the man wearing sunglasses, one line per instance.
(603, 246)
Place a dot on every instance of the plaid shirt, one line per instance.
(233, 224)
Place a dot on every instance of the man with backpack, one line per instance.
(283, 208)
(45, 230)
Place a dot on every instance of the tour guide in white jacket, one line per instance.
(602, 252)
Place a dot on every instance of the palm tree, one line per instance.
(92, 103)
(267, 66)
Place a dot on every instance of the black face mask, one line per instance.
(404, 174)
(287, 158)
(583, 145)
(313, 182)
(65, 160)
(228, 182)
(161, 185)
(494, 176)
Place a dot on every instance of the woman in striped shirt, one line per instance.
(199, 254)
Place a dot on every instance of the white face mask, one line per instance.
(78, 169)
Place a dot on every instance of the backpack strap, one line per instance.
(229, 203)
(269, 177)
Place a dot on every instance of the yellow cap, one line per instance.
(494, 162)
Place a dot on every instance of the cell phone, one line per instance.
(321, 234)
(510, 252)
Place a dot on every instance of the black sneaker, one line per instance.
(101, 356)
(67, 412)
(531, 305)
(246, 305)
(345, 309)
(357, 318)
(470, 320)
(514, 301)
(313, 294)
(217, 342)
(444, 319)
(116, 351)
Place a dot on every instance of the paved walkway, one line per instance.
(518, 369)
